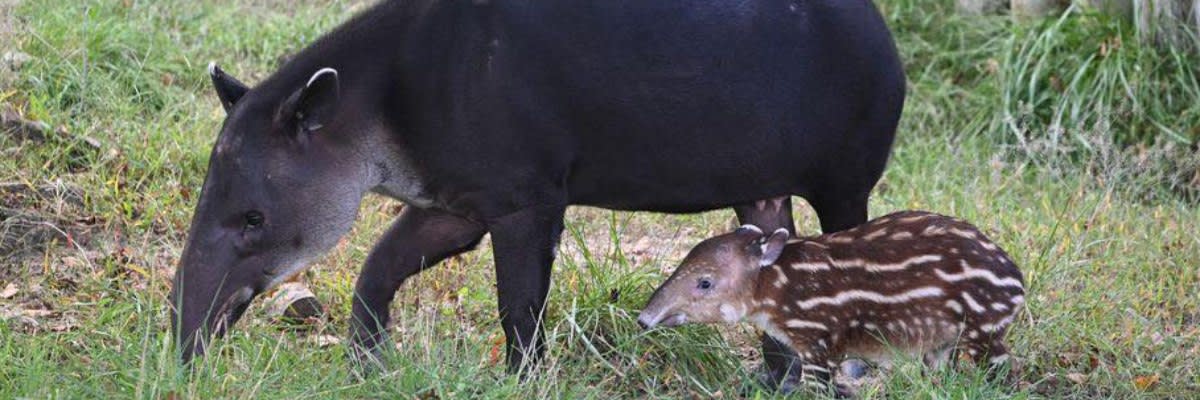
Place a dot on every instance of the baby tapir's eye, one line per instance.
(705, 284)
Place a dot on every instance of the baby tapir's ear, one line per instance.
(772, 246)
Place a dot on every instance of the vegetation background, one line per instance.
(1066, 139)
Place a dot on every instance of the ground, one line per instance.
(1069, 144)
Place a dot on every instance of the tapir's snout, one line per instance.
(207, 297)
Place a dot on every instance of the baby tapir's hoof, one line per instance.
(792, 384)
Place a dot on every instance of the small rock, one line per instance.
(16, 59)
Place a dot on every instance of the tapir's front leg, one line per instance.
(417, 240)
(524, 244)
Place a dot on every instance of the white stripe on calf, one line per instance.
(849, 295)
(813, 367)
(976, 273)
(799, 323)
(903, 265)
(975, 306)
(811, 266)
(997, 326)
(953, 305)
(999, 359)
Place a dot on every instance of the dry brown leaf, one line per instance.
(1076, 377)
(324, 341)
(1143, 382)
(9, 291)
(36, 313)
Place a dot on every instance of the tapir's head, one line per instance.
(284, 182)
(716, 281)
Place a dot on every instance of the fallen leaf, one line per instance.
(324, 341)
(494, 356)
(1076, 377)
(1143, 382)
(9, 291)
(62, 327)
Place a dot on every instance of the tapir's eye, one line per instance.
(704, 284)
(254, 219)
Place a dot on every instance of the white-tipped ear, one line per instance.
(319, 74)
(772, 246)
(317, 101)
(229, 90)
(750, 228)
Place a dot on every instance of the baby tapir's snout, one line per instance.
(716, 281)
(916, 282)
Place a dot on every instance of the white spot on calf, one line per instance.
(730, 314)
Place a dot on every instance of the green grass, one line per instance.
(1067, 149)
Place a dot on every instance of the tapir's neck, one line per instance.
(369, 53)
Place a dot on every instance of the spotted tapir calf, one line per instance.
(909, 282)
(494, 116)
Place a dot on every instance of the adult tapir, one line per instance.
(493, 117)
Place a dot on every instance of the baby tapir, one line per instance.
(913, 282)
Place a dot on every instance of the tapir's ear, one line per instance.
(749, 229)
(772, 246)
(318, 100)
(229, 90)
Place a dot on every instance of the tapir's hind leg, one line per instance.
(771, 215)
(839, 212)
(420, 238)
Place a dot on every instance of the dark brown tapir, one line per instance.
(494, 116)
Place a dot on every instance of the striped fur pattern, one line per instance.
(912, 281)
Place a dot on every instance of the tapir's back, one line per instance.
(670, 104)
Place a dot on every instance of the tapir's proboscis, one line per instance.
(493, 117)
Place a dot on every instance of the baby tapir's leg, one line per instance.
(817, 367)
(990, 352)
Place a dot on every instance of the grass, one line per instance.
(1064, 139)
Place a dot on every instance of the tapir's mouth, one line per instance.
(674, 320)
(232, 309)
(668, 320)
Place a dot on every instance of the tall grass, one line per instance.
(1037, 131)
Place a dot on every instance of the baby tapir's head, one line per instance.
(716, 281)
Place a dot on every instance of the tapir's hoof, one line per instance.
(792, 384)
(854, 369)
(367, 361)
